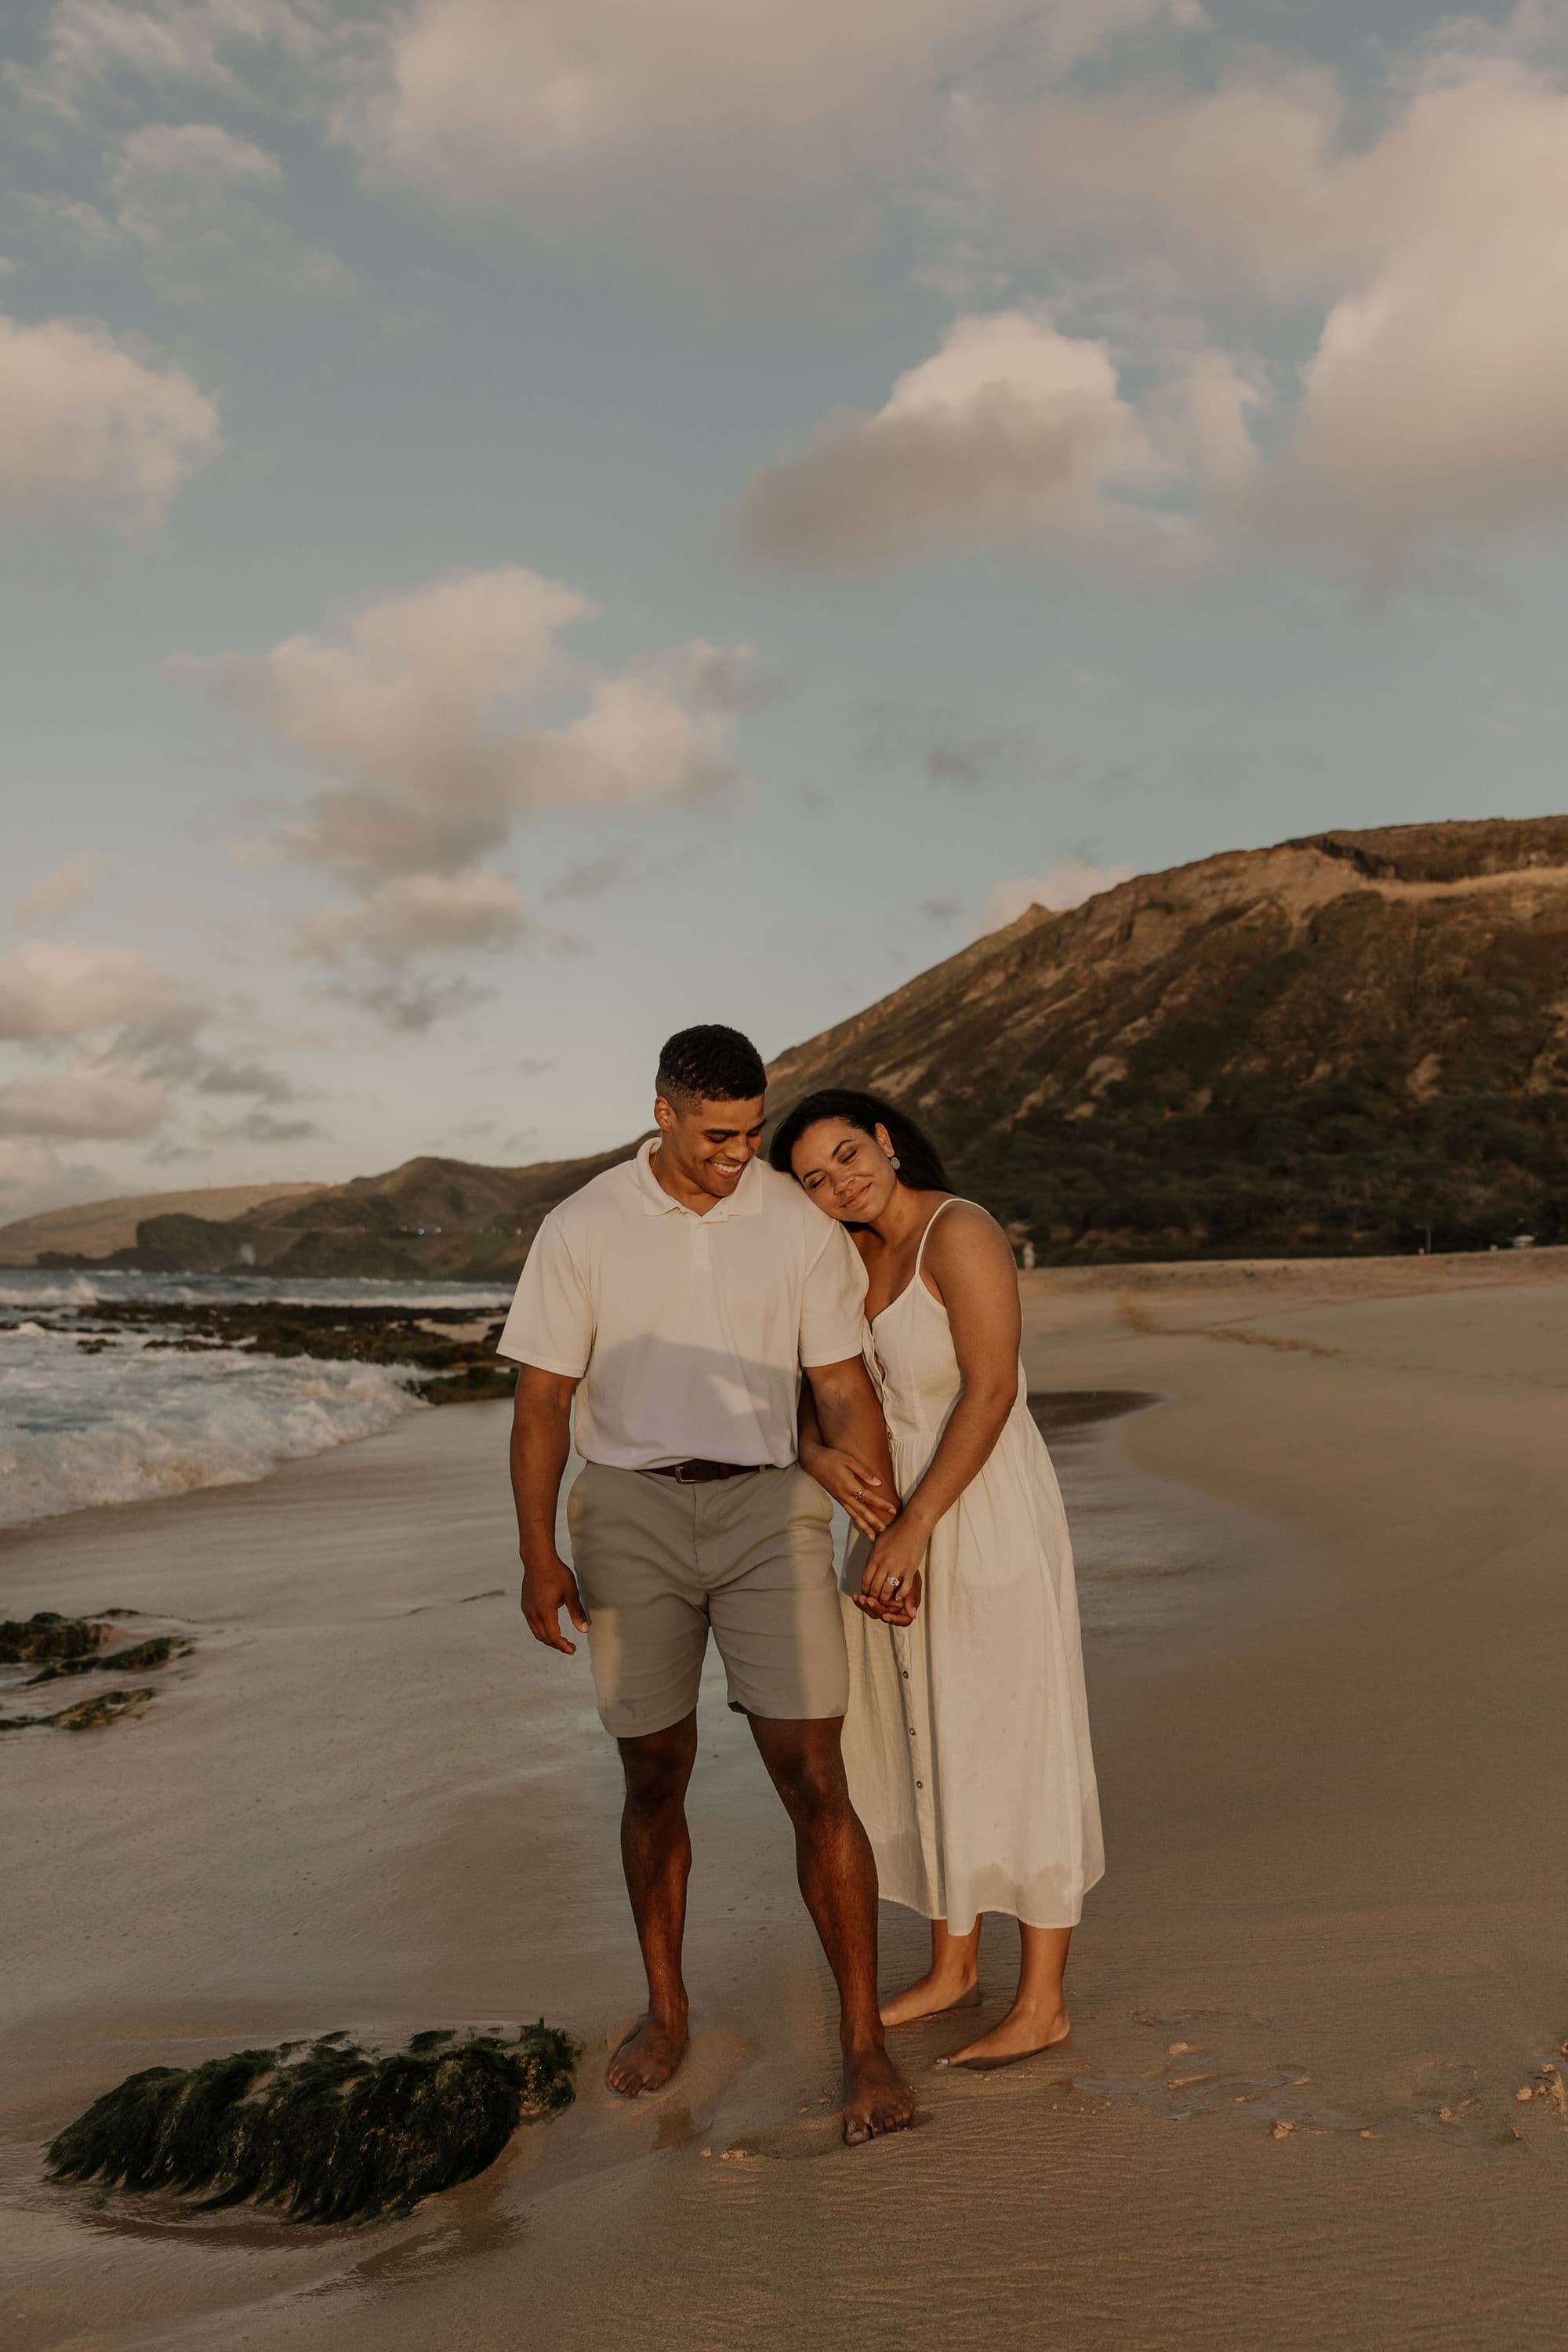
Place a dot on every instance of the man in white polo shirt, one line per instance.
(678, 1298)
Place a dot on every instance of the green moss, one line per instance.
(47, 1634)
(86, 1714)
(140, 1659)
(479, 1384)
(334, 2135)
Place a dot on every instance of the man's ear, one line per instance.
(664, 1117)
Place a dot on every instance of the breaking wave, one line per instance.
(129, 1423)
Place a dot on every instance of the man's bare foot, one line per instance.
(933, 1996)
(1021, 2033)
(647, 2057)
(877, 2098)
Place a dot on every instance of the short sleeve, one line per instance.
(551, 1324)
(833, 1306)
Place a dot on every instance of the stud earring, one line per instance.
(893, 1160)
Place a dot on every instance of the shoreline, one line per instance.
(1325, 1957)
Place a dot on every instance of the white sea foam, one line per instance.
(28, 1287)
(135, 1421)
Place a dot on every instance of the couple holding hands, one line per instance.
(745, 1342)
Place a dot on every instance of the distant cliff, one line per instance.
(1332, 1045)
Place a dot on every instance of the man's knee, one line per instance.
(810, 1779)
(658, 1765)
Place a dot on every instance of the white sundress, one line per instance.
(966, 1741)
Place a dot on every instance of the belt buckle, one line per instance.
(681, 1478)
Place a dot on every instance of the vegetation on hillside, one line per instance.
(1350, 1043)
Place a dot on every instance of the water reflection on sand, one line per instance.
(1160, 1566)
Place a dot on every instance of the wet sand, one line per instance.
(1330, 1948)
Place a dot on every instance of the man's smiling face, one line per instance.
(710, 1143)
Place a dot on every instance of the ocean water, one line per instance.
(84, 1424)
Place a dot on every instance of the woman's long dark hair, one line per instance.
(920, 1162)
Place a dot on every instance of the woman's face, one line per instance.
(847, 1171)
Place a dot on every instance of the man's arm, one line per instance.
(849, 1416)
(541, 1441)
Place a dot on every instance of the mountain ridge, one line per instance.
(1338, 1043)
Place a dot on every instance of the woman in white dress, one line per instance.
(967, 1738)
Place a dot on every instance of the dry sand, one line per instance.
(1332, 1946)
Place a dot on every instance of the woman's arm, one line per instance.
(971, 1265)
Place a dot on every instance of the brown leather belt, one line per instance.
(701, 1474)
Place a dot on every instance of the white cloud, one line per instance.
(1011, 435)
(422, 716)
(73, 884)
(422, 712)
(88, 1101)
(88, 43)
(419, 912)
(1434, 408)
(188, 198)
(88, 426)
(1064, 885)
(33, 1176)
(50, 990)
(722, 115)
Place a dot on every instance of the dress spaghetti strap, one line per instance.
(950, 1203)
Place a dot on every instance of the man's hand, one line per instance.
(548, 1587)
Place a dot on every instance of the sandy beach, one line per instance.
(1331, 1949)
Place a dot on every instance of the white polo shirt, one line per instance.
(687, 1333)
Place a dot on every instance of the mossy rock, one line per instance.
(325, 2131)
(142, 1657)
(47, 1634)
(478, 1384)
(86, 1714)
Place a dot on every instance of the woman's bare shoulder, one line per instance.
(966, 1239)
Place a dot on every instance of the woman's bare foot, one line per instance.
(877, 2098)
(932, 1997)
(647, 2057)
(1020, 2034)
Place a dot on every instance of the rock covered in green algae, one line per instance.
(325, 2131)
(62, 1647)
(86, 1714)
(47, 1634)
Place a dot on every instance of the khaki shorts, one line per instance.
(658, 1564)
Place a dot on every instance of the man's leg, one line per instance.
(837, 1874)
(655, 1849)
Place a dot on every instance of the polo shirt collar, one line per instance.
(745, 1201)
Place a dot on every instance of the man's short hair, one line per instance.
(710, 1063)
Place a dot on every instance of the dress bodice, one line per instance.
(910, 1355)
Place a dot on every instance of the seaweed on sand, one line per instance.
(86, 1714)
(333, 2135)
(140, 1659)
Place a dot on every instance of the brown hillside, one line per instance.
(1330, 1046)
(93, 1228)
(1327, 1045)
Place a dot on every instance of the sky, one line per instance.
(528, 523)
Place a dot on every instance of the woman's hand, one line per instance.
(891, 1582)
(852, 1486)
